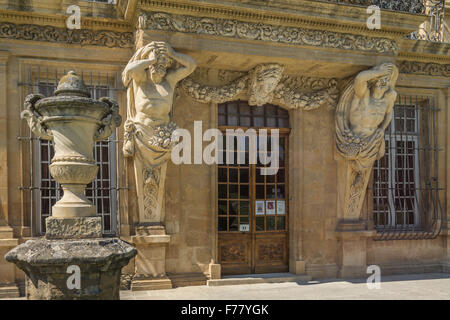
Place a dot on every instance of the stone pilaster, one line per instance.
(150, 263)
(297, 264)
(7, 271)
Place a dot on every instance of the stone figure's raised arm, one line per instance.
(392, 96)
(188, 64)
(136, 69)
(363, 78)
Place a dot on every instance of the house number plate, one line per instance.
(244, 227)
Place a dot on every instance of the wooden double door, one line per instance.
(253, 216)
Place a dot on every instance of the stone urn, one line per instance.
(73, 239)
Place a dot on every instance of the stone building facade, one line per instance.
(281, 64)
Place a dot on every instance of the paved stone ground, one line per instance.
(428, 286)
(419, 286)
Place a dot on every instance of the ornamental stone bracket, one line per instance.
(263, 84)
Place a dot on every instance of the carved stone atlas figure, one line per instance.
(151, 76)
(362, 115)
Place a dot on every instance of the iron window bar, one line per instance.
(44, 81)
(406, 187)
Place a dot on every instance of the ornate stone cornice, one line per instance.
(423, 68)
(82, 37)
(265, 32)
(299, 13)
(23, 17)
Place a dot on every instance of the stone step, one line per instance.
(151, 284)
(168, 282)
(259, 278)
(9, 291)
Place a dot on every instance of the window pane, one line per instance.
(222, 224)
(233, 191)
(259, 223)
(259, 191)
(233, 175)
(270, 191)
(233, 208)
(272, 122)
(222, 207)
(234, 224)
(280, 191)
(222, 191)
(245, 121)
(244, 175)
(281, 223)
(232, 120)
(222, 174)
(232, 108)
(270, 223)
(244, 208)
(280, 175)
(222, 120)
(243, 191)
(258, 122)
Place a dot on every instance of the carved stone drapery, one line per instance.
(266, 84)
(364, 112)
(265, 32)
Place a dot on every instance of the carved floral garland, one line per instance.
(291, 92)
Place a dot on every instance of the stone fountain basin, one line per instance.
(46, 262)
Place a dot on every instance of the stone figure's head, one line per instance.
(264, 78)
(157, 71)
(387, 81)
(154, 50)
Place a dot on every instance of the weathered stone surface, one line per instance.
(73, 228)
(45, 263)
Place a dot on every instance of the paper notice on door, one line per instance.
(259, 207)
(270, 207)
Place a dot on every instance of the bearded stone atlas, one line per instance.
(151, 77)
(363, 113)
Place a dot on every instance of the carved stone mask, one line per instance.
(263, 81)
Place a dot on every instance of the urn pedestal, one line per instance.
(73, 261)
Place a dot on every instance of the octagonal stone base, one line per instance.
(46, 263)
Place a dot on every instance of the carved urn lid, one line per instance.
(72, 85)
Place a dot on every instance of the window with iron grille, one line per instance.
(103, 190)
(406, 201)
